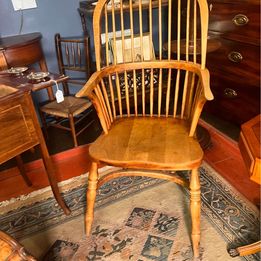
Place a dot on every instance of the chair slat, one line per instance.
(143, 92)
(106, 35)
(141, 31)
(135, 92)
(103, 107)
(184, 96)
(114, 32)
(178, 30)
(160, 30)
(151, 91)
(67, 54)
(169, 28)
(119, 94)
(122, 32)
(195, 32)
(127, 93)
(105, 94)
(187, 30)
(168, 92)
(176, 94)
(112, 97)
(160, 92)
(132, 31)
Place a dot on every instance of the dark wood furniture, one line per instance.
(23, 50)
(19, 126)
(73, 58)
(10, 249)
(249, 145)
(235, 66)
(142, 137)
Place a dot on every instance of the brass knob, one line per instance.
(240, 20)
(235, 57)
(230, 93)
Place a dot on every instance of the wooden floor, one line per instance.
(223, 155)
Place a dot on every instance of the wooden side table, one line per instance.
(20, 131)
(250, 145)
(23, 50)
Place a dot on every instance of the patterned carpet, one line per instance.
(149, 228)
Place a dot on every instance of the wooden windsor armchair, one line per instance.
(148, 103)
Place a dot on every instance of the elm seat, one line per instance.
(70, 105)
(160, 143)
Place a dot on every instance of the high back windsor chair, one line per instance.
(73, 58)
(147, 102)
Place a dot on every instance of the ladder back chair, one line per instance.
(148, 101)
(74, 61)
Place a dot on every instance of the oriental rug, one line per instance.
(135, 219)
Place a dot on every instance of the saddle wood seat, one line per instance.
(148, 142)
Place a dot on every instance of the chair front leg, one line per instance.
(91, 196)
(195, 210)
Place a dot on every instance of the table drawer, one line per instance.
(17, 131)
(237, 20)
(239, 60)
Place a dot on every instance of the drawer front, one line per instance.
(234, 101)
(238, 21)
(17, 131)
(238, 60)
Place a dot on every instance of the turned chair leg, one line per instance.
(73, 130)
(195, 210)
(91, 196)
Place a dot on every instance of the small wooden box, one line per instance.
(249, 145)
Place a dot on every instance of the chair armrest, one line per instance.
(205, 80)
(90, 85)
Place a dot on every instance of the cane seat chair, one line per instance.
(74, 61)
(149, 130)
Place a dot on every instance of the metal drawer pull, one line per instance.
(240, 20)
(235, 57)
(230, 93)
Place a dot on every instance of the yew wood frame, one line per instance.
(193, 100)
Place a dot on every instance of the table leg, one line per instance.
(46, 159)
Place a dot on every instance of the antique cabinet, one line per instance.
(235, 66)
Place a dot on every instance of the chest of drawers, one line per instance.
(235, 66)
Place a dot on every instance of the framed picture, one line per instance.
(148, 49)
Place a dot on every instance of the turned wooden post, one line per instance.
(195, 210)
(91, 196)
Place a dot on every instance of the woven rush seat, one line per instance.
(70, 105)
(162, 143)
